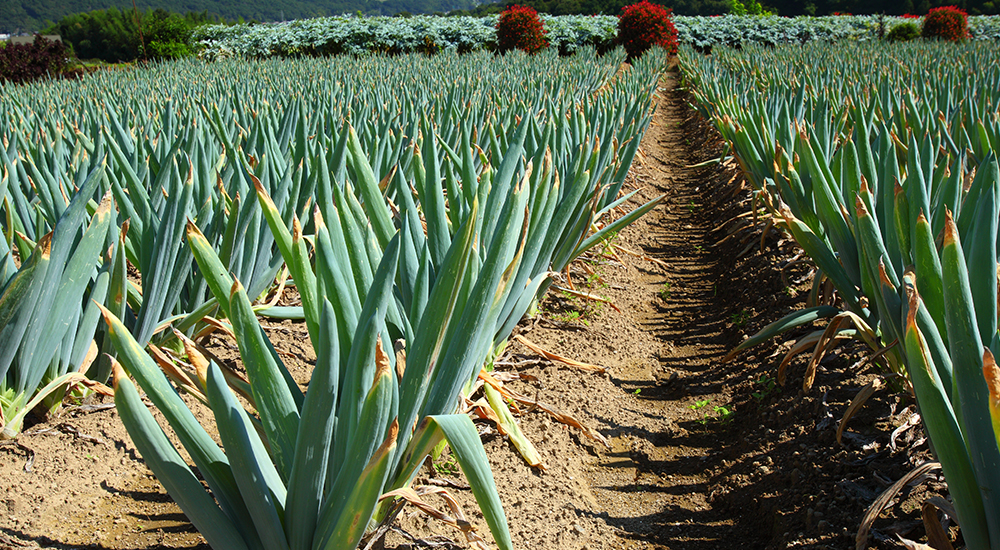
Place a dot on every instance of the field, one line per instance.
(429, 209)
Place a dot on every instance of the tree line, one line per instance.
(27, 16)
(117, 36)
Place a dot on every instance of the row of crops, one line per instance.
(565, 33)
(417, 205)
(881, 162)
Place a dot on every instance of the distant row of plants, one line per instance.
(114, 36)
(427, 34)
(703, 32)
(568, 33)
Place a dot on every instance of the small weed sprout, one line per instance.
(725, 414)
(665, 291)
(447, 467)
(769, 386)
(571, 316)
(595, 280)
(740, 318)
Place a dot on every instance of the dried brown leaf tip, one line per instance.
(117, 372)
(318, 217)
(195, 357)
(257, 185)
(950, 229)
(913, 299)
(390, 438)
(45, 245)
(381, 359)
(883, 276)
(107, 202)
(192, 229)
(992, 374)
(859, 206)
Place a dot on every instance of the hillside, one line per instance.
(34, 15)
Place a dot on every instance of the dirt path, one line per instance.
(668, 459)
(701, 454)
(678, 437)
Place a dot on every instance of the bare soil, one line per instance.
(701, 453)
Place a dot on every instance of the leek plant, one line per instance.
(367, 421)
(449, 323)
(48, 307)
(864, 170)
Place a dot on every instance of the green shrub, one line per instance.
(520, 28)
(113, 36)
(167, 50)
(642, 26)
(750, 7)
(946, 23)
(167, 35)
(904, 32)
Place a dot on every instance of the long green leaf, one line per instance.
(943, 428)
(175, 475)
(307, 481)
(258, 481)
(967, 356)
(279, 412)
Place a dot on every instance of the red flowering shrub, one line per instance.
(910, 16)
(642, 26)
(27, 62)
(946, 23)
(519, 27)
